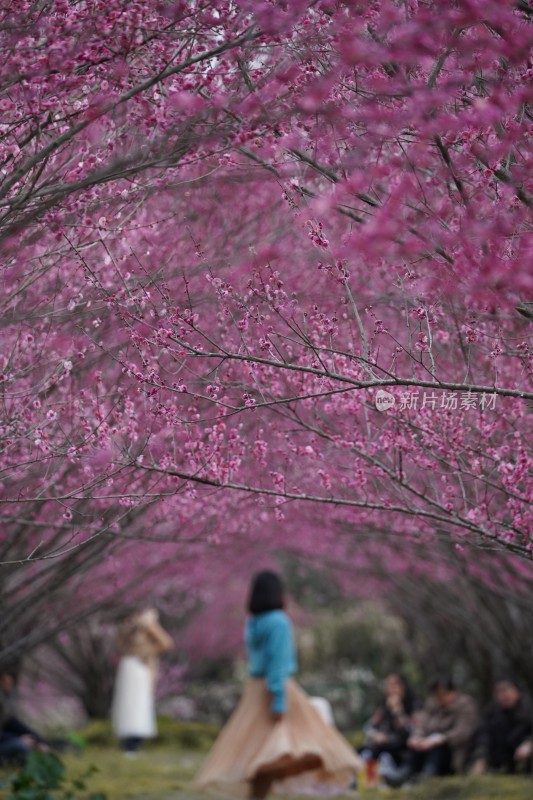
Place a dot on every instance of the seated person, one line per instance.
(506, 734)
(389, 726)
(443, 734)
(16, 738)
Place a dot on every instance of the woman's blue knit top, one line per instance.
(271, 653)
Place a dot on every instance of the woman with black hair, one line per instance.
(389, 727)
(275, 733)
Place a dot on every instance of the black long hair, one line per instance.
(409, 700)
(266, 593)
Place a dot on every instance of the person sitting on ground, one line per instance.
(389, 727)
(505, 739)
(16, 738)
(443, 733)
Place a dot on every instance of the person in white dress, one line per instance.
(141, 640)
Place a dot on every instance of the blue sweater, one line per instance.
(271, 654)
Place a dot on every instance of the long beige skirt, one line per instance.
(301, 744)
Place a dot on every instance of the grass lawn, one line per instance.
(156, 772)
(164, 770)
(163, 773)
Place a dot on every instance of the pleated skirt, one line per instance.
(301, 752)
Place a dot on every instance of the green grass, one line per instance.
(171, 733)
(155, 774)
(486, 787)
(164, 770)
(163, 773)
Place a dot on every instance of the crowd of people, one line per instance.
(279, 735)
(448, 734)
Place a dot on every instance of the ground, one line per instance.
(164, 770)
(165, 774)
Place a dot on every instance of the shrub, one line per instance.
(43, 778)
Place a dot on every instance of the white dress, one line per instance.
(133, 708)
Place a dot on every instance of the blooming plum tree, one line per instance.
(259, 256)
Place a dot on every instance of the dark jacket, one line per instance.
(502, 731)
(7, 712)
(395, 726)
(10, 726)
